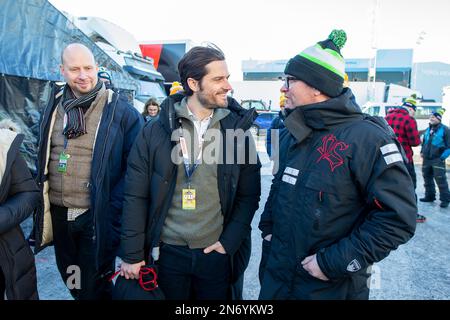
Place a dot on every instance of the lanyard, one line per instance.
(65, 137)
(187, 167)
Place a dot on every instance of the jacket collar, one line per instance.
(324, 115)
(182, 111)
(401, 110)
(237, 118)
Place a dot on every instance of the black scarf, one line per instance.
(75, 109)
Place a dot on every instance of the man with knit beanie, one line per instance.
(342, 198)
(105, 76)
(175, 88)
(435, 149)
(405, 127)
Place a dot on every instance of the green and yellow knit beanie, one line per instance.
(438, 114)
(322, 65)
(410, 102)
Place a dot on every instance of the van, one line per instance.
(259, 105)
(422, 116)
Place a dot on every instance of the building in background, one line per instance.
(396, 76)
(392, 67)
(431, 78)
(262, 70)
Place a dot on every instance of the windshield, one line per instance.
(424, 112)
(150, 89)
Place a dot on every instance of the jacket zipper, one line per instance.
(41, 171)
(41, 129)
(101, 163)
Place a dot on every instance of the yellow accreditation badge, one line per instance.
(188, 199)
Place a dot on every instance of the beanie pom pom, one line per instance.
(339, 38)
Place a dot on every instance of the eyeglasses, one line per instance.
(287, 80)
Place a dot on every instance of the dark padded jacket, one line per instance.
(342, 192)
(18, 197)
(150, 184)
(118, 127)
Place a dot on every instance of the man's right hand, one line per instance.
(268, 237)
(131, 271)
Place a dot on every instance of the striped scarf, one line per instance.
(75, 109)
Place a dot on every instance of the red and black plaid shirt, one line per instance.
(405, 127)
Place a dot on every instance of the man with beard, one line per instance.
(189, 211)
(86, 133)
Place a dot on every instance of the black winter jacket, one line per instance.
(18, 197)
(119, 126)
(150, 184)
(342, 192)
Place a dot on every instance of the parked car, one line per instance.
(263, 121)
(259, 105)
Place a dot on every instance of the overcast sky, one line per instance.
(279, 29)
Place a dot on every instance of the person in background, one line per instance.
(404, 125)
(19, 196)
(151, 110)
(277, 124)
(105, 76)
(175, 88)
(435, 149)
(346, 81)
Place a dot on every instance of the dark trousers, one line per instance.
(189, 274)
(75, 246)
(434, 170)
(412, 173)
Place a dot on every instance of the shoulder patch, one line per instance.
(391, 153)
(395, 157)
(389, 148)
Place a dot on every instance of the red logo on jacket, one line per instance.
(329, 151)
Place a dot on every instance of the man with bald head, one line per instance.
(86, 133)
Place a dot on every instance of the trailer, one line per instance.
(166, 54)
(123, 48)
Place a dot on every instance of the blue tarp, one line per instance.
(33, 34)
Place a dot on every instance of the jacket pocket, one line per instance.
(311, 288)
(329, 200)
